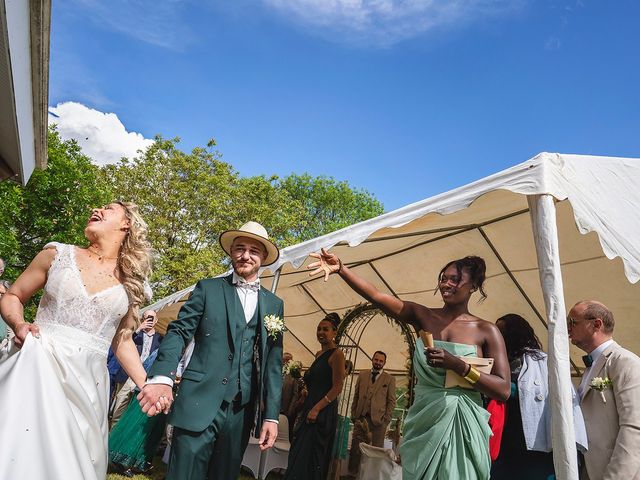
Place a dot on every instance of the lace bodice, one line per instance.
(69, 314)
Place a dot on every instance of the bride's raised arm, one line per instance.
(329, 263)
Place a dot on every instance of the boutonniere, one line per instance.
(293, 368)
(600, 384)
(274, 325)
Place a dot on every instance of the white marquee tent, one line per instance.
(553, 230)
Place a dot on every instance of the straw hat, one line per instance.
(251, 230)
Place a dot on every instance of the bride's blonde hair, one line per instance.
(135, 258)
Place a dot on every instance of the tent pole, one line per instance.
(545, 236)
(276, 279)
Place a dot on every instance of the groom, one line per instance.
(234, 378)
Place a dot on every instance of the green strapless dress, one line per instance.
(446, 431)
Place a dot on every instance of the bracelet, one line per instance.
(473, 376)
(340, 267)
(467, 369)
(327, 399)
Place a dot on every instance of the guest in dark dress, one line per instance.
(314, 433)
(516, 460)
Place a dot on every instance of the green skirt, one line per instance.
(135, 438)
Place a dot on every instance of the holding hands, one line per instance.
(327, 263)
(155, 398)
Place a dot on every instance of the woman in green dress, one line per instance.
(446, 432)
(134, 439)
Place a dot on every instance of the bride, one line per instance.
(54, 390)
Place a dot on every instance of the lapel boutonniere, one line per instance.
(600, 384)
(293, 368)
(274, 325)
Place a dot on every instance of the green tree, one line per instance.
(53, 206)
(188, 199)
(329, 204)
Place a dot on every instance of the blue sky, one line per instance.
(406, 98)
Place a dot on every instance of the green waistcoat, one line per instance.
(244, 359)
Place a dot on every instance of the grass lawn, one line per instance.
(159, 471)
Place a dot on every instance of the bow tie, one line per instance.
(588, 361)
(250, 286)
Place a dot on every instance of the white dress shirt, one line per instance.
(146, 346)
(379, 373)
(248, 295)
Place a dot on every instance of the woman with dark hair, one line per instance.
(315, 430)
(525, 449)
(446, 432)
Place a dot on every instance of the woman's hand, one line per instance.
(312, 416)
(22, 330)
(441, 358)
(328, 263)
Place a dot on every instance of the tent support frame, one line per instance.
(306, 290)
(519, 287)
(545, 237)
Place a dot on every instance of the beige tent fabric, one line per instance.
(403, 251)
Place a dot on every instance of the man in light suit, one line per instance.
(373, 403)
(612, 416)
(288, 385)
(233, 381)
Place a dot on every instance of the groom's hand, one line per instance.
(268, 435)
(155, 398)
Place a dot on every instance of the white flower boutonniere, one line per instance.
(293, 368)
(274, 325)
(600, 385)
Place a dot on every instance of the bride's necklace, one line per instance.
(99, 255)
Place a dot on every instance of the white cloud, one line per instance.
(102, 136)
(385, 22)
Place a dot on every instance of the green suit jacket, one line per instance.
(209, 317)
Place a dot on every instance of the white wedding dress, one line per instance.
(54, 390)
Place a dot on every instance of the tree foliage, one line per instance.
(53, 206)
(329, 205)
(188, 199)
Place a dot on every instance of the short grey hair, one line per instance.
(594, 309)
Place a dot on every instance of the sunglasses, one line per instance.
(572, 322)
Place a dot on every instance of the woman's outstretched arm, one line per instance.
(329, 263)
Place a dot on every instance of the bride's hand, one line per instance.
(22, 330)
(155, 398)
(328, 263)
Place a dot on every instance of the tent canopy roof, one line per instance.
(402, 251)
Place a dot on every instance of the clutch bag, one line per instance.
(483, 365)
